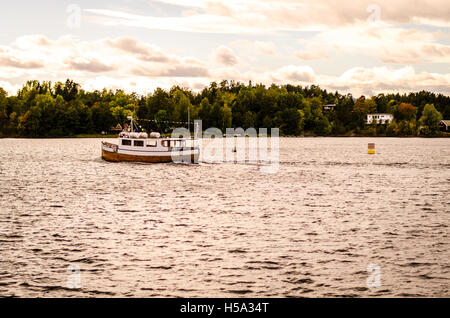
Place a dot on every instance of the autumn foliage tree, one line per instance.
(405, 111)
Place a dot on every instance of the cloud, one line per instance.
(376, 80)
(139, 66)
(392, 32)
(11, 89)
(89, 65)
(8, 61)
(294, 74)
(144, 51)
(173, 71)
(224, 55)
(72, 57)
(386, 43)
(262, 16)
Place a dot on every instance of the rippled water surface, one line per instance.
(226, 230)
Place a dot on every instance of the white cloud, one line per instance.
(293, 74)
(225, 56)
(11, 89)
(139, 66)
(262, 16)
(387, 44)
(345, 28)
(70, 56)
(144, 51)
(89, 65)
(14, 62)
(376, 80)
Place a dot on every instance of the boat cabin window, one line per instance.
(126, 142)
(151, 143)
(177, 143)
(139, 143)
(173, 143)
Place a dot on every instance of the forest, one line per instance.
(45, 109)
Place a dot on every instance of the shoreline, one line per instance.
(99, 136)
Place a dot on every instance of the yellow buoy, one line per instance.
(371, 149)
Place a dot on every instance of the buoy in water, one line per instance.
(371, 150)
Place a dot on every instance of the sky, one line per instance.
(360, 47)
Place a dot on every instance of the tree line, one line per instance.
(45, 109)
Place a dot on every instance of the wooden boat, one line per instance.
(161, 150)
(139, 147)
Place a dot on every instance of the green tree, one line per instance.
(344, 111)
(243, 103)
(121, 114)
(28, 124)
(430, 120)
(392, 129)
(267, 122)
(204, 112)
(227, 117)
(4, 116)
(41, 109)
(102, 117)
(322, 126)
(291, 121)
(363, 107)
(249, 120)
(182, 106)
(160, 101)
(162, 119)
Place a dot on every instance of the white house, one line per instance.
(380, 118)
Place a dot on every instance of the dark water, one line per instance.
(225, 230)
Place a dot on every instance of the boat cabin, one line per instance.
(140, 141)
(153, 143)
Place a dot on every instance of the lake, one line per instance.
(332, 222)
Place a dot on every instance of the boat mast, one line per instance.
(132, 123)
(189, 121)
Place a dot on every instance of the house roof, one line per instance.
(446, 122)
(118, 127)
(380, 114)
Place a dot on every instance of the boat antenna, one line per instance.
(189, 120)
(132, 123)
